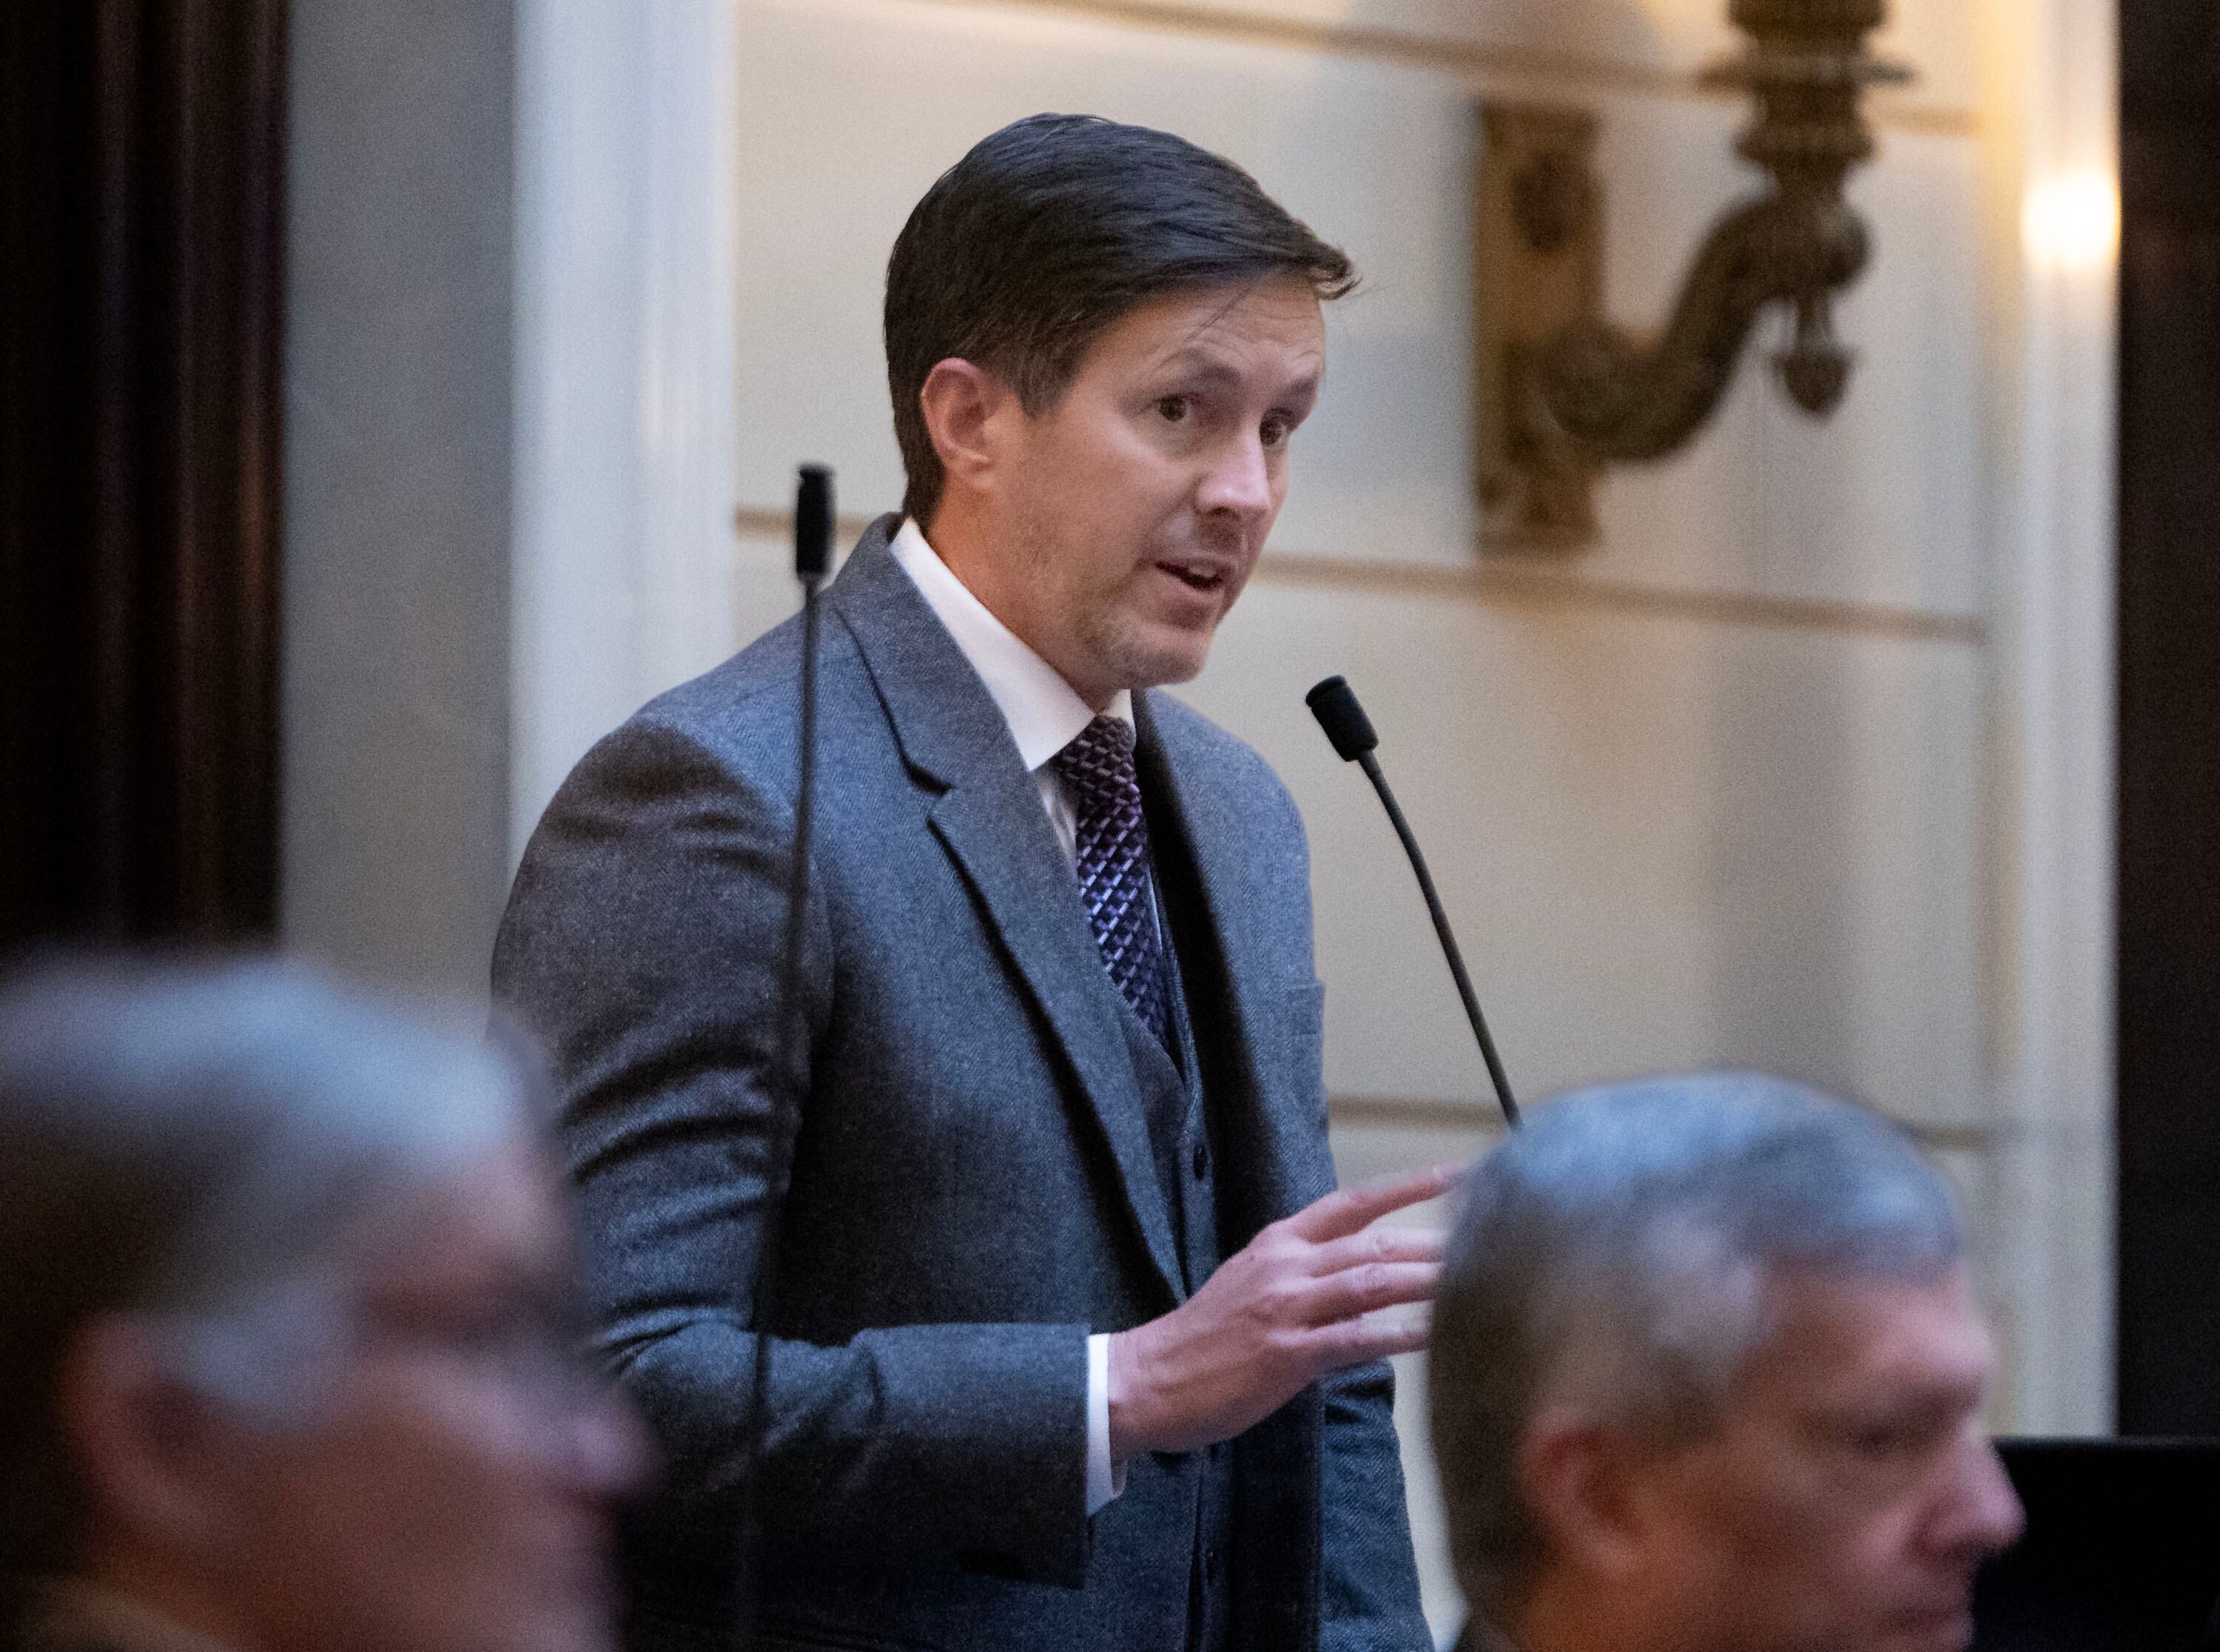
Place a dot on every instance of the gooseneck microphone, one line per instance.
(788, 1078)
(813, 561)
(1333, 702)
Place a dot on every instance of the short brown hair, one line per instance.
(1047, 232)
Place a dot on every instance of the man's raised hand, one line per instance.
(1308, 1296)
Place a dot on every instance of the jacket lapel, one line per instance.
(990, 818)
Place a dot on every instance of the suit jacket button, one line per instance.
(1201, 1161)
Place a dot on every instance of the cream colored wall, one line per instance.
(1793, 771)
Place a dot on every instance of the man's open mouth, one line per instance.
(1196, 576)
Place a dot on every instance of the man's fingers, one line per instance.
(1355, 1292)
(1377, 1244)
(1374, 1337)
(1354, 1209)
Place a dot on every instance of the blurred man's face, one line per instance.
(1847, 1498)
(1138, 503)
(453, 1488)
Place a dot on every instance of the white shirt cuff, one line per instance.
(1105, 1480)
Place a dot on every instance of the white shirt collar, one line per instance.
(1044, 712)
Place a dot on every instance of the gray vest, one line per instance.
(1186, 1172)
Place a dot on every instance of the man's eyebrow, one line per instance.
(1196, 363)
(1927, 1400)
(1210, 368)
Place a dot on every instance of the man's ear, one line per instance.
(150, 1451)
(967, 412)
(1578, 1478)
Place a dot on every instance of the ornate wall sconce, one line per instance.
(1561, 390)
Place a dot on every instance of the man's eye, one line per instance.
(1275, 431)
(1172, 408)
(1891, 1441)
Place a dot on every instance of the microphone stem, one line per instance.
(793, 1020)
(789, 1078)
(1372, 771)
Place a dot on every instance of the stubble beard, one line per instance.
(1136, 662)
(1112, 638)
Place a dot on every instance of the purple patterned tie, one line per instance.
(1097, 769)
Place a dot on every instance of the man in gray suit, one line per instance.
(1073, 1343)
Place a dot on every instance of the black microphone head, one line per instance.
(1333, 702)
(813, 523)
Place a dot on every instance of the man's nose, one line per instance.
(1983, 1513)
(1240, 482)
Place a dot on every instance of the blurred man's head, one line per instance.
(1099, 339)
(286, 1349)
(1707, 1376)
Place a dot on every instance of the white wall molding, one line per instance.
(1466, 45)
(1506, 580)
(2055, 77)
(626, 295)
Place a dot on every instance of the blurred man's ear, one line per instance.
(154, 1456)
(968, 412)
(1579, 1478)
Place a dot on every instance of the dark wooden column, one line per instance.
(2169, 804)
(141, 149)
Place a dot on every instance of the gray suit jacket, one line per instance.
(973, 1189)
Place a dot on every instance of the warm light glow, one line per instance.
(2073, 221)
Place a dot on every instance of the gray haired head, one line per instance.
(1615, 1255)
(189, 1140)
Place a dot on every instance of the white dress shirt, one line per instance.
(1045, 714)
